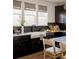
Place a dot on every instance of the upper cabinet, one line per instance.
(60, 14)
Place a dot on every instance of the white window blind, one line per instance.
(29, 6)
(16, 4)
(42, 8)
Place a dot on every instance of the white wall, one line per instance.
(51, 8)
(51, 12)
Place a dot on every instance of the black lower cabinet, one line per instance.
(37, 45)
(24, 45)
(21, 46)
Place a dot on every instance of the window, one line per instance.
(42, 19)
(17, 13)
(16, 20)
(29, 18)
(29, 14)
(42, 16)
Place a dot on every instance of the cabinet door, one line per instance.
(16, 44)
(60, 14)
(37, 45)
(25, 43)
(21, 46)
(16, 47)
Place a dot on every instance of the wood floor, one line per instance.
(38, 55)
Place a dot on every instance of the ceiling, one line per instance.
(56, 1)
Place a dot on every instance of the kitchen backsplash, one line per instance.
(40, 28)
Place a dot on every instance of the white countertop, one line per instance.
(33, 34)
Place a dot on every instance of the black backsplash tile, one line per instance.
(27, 29)
(41, 28)
(34, 28)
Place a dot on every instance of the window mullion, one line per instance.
(22, 19)
(36, 14)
